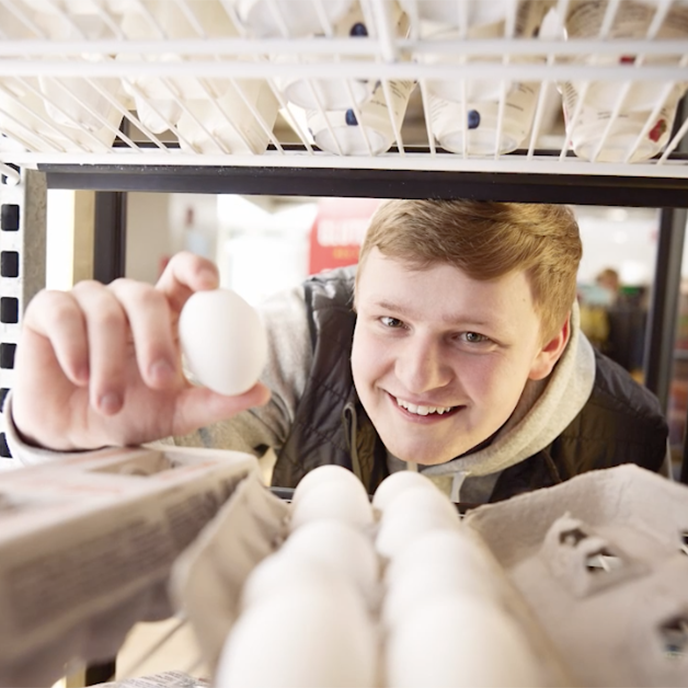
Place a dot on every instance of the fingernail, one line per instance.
(110, 403)
(162, 371)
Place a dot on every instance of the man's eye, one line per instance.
(391, 322)
(475, 337)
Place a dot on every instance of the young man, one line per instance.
(454, 349)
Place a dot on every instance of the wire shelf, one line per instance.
(574, 87)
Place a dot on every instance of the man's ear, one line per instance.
(551, 352)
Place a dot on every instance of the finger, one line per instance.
(185, 274)
(57, 317)
(107, 330)
(150, 323)
(199, 406)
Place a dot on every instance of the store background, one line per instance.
(263, 244)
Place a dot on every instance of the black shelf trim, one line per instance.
(624, 191)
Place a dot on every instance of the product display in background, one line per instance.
(306, 79)
(284, 18)
(636, 136)
(340, 131)
(25, 120)
(633, 19)
(338, 232)
(623, 120)
(481, 130)
(339, 94)
(474, 20)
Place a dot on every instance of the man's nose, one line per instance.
(422, 366)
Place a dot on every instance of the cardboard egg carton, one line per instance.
(208, 578)
(165, 679)
(86, 547)
(602, 561)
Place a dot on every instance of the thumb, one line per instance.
(199, 406)
(185, 274)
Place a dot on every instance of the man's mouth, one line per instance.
(419, 410)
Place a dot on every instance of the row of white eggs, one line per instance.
(360, 594)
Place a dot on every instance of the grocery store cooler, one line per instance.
(562, 101)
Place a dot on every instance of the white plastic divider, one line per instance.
(362, 47)
(360, 69)
(673, 144)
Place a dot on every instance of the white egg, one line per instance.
(451, 548)
(306, 639)
(394, 535)
(414, 513)
(445, 549)
(422, 499)
(281, 574)
(343, 500)
(223, 341)
(427, 573)
(322, 474)
(341, 547)
(453, 640)
(396, 483)
(401, 600)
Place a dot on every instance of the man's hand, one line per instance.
(101, 365)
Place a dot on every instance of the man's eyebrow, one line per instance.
(389, 306)
(456, 319)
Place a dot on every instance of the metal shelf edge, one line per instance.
(298, 181)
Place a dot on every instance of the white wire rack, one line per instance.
(546, 86)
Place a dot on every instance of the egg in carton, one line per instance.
(326, 590)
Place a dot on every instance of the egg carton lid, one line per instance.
(86, 546)
(601, 559)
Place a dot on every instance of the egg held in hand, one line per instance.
(223, 341)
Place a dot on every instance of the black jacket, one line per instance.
(621, 422)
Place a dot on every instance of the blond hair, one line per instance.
(487, 240)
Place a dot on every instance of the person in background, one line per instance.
(609, 280)
(454, 348)
(614, 319)
(595, 303)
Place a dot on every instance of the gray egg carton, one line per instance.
(208, 578)
(601, 560)
(87, 542)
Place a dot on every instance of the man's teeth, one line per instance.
(423, 410)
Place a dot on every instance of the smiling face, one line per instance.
(440, 359)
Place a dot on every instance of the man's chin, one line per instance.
(423, 457)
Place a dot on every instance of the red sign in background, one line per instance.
(338, 231)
